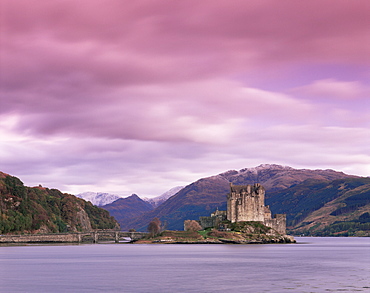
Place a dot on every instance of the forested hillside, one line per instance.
(321, 208)
(43, 210)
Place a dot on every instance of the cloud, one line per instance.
(203, 112)
(338, 103)
(131, 43)
(335, 90)
(111, 94)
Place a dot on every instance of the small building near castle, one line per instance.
(246, 203)
(214, 220)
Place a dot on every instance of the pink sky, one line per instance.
(141, 96)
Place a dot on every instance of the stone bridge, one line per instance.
(95, 236)
(108, 235)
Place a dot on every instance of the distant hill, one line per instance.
(205, 195)
(101, 199)
(197, 199)
(98, 198)
(157, 201)
(124, 209)
(43, 210)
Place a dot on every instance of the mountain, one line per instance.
(42, 210)
(101, 199)
(205, 195)
(124, 209)
(275, 177)
(98, 198)
(197, 199)
(157, 201)
(336, 208)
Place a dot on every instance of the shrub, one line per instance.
(154, 227)
(192, 225)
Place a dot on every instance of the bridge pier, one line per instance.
(108, 235)
(95, 237)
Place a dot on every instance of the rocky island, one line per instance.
(246, 221)
(249, 233)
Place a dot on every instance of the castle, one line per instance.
(246, 203)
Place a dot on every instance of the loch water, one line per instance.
(311, 265)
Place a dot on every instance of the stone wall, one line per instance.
(212, 221)
(93, 236)
(278, 223)
(246, 203)
(207, 222)
(34, 238)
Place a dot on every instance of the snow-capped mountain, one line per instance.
(156, 201)
(98, 198)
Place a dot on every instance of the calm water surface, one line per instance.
(311, 265)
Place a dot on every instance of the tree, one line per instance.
(192, 225)
(154, 227)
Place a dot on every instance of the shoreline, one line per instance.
(9, 240)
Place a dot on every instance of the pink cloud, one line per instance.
(204, 112)
(162, 41)
(160, 85)
(334, 89)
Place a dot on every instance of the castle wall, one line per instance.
(278, 223)
(207, 222)
(246, 203)
(213, 221)
(267, 212)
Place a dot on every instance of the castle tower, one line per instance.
(246, 203)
